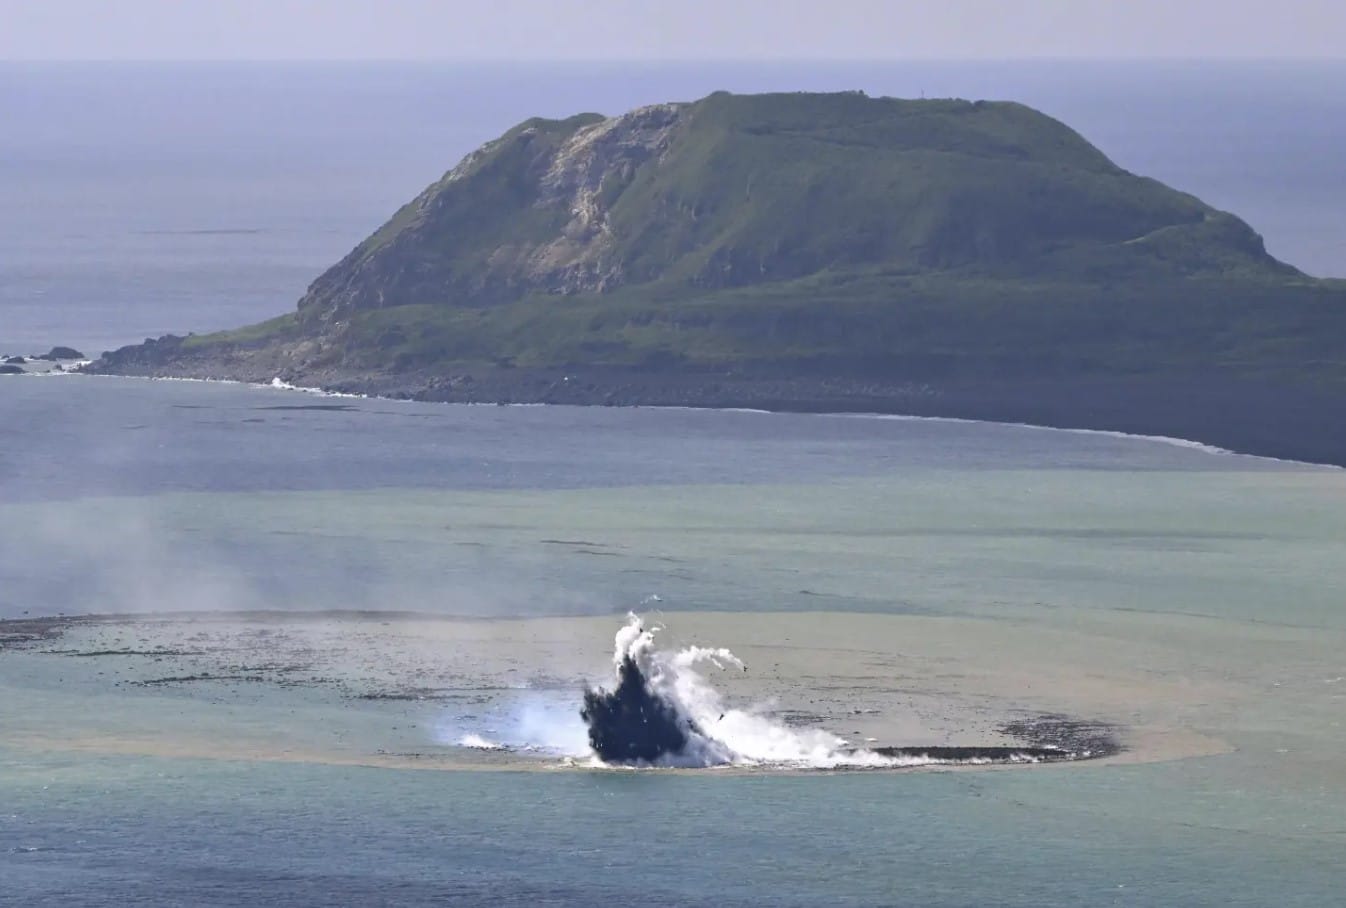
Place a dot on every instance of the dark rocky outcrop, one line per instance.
(56, 353)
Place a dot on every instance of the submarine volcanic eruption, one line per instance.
(662, 711)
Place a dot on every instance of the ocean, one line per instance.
(262, 646)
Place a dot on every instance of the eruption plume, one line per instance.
(663, 711)
(633, 723)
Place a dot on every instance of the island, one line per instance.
(815, 252)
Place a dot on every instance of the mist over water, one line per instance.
(130, 495)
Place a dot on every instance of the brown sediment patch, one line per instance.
(880, 681)
(257, 752)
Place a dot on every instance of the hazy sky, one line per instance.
(668, 29)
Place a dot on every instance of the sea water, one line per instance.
(920, 574)
(891, 577)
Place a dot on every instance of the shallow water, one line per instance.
(938, 577)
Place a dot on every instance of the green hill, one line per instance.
(834, 236)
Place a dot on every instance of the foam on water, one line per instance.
(280, 385)
(1105, 433)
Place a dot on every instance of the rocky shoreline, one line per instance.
(1263, 417)
(58, 359)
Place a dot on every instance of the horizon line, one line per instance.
(657, 61)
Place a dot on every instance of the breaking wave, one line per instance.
(282, 385)
(1188, 443)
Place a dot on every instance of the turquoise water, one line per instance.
(168, 832)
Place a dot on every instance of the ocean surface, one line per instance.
(364, 626)
(901, 581)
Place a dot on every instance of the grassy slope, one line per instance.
(869, 323)
(779, 186)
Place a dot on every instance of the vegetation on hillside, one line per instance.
(817, 233)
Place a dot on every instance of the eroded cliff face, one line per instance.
(527, 213)
(587, 174)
